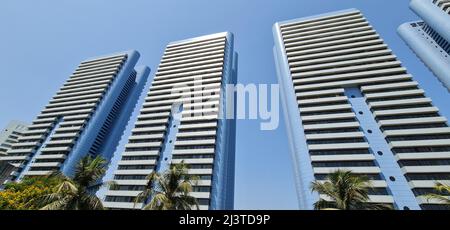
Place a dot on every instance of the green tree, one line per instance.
(77, 193)
(23, 195)
(346, 191)
(170, 190)
(442, 194)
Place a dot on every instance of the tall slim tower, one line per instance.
(86, 116)
(181, 120)
(430, 38)
(349, 104)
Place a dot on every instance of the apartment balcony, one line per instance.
(122, 193)
(391, 112)
(375, 183)
(195, 142)
(193, 151)
(400, 93)
(86, 84)
(426, 169)
(123, 205)
(51, 156)
(423, 200)
(31, 138)
(422, 156)
(77, 117)
(200, 125)
(423, 120)
(349, 157)
(370, 88)
(422, 131)
(73, 112)
(56, 149)
(416, 101)
(203, 183)
(156, 109)
(194, 161)
(200, 171)
(15, 158)
(420, 143)
(197, 134)
(322, 100)
(349, 83)
(154, 115)
(384, 199)
(146, 137)
(141, 153)
(75, 82)
(45, 164)
(144, 145)
(37, 173)
(75, 98)
(426, 183)
(209, 56)
(66, 135)
(137, 162)
(37, 132)
(21, 151)
(45, 120)
(358, 170)
(41, 126)
(149, 129)
(131, 182)
(133, 171)
(69, 129)
(153, 122)
(26, 144)
(332, 126)
(201, 195)
(61, 142)
(325, 108)
(326, 136)
(320, 93)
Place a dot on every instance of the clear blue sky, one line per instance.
(42, 42)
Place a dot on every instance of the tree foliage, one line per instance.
(170, 190)
(23, 195)
(345, 191)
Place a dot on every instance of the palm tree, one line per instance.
(443, 190)
(77, 193)
(170, 190)
(346, 190)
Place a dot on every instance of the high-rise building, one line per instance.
(181, 120)
(349, 104)
(9, 136)
(430, 38)
(86, 116)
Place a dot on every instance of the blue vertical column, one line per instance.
(165, 157)
(396, 181)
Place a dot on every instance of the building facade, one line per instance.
(86, 116)
(181, 120)
(9, 136)
(349, 104)
(430, 38)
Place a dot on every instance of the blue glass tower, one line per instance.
(430, 38)
(86, 116)
(181, 120)
(349, 104)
